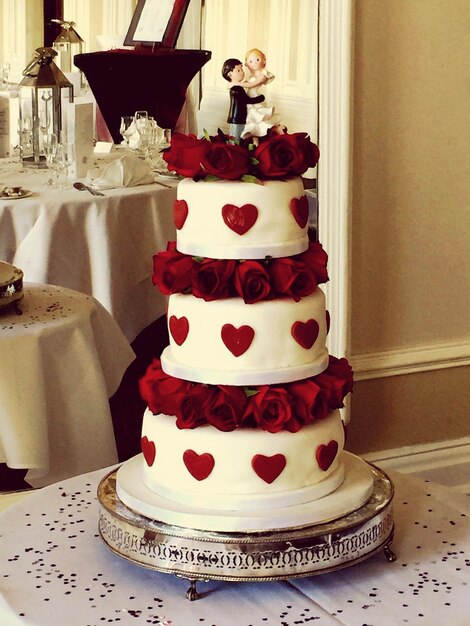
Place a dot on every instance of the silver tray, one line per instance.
(248, 556)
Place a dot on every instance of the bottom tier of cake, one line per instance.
(245, 468)
(353, 492)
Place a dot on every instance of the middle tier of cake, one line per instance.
(229, 342)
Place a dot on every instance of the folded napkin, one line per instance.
(127, 171)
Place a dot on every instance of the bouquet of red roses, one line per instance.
(277, 156)
(253, 280)
(273, 408)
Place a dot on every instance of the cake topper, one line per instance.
(232, 71)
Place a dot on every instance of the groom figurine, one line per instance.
(232, 71)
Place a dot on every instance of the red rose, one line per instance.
(226, 160)
(212, 278)
(270, 409)
(227, 408)
(161, 392)
(186, 154)
(252, 281)
(335, 382)
(317, 260)
(304, 396)
(172, 271)
(286, 155)
(194, 406)
(292, 277)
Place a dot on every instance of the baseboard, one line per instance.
(410, 360)
(443, 462)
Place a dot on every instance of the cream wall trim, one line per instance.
(410, 360)
(334, 68)
(444, 462)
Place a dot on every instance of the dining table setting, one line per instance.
(96, 234)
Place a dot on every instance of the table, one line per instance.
(56, 565)
(60, 362)
(101, 246)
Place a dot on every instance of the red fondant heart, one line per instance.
(180, 213)
(148, 450)
(328, 321)
(325, 455)
(305, 333)
(237, 340)
(179, 328)
(239, 218)
(299, 209)
(198, 465)
(268, 468)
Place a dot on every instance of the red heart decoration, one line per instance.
(179, 329)
(198, 465)
(180, 213)
(268, 468)
(239, 218)
(305, 333)
(237, 340)
(299, 209)
(148, 450)
(325, 455)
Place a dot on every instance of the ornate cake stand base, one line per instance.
(248, 556)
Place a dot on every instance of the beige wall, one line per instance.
(411, 216)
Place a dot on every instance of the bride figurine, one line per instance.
(260, 118)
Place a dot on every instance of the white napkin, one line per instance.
(127, 171)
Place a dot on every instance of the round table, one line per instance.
(98, 245)
(56, 571)
(60, 362)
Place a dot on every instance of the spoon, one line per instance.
(83, 187)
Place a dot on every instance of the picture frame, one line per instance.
(156, 23)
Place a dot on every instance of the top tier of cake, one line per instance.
(236, 220)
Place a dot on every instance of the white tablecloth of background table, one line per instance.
(57, 571)
(101, 246)
(60, 361)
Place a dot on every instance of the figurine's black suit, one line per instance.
(238, 111)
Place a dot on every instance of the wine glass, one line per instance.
(49, 146)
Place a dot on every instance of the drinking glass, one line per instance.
(49, 147)
(60, 163)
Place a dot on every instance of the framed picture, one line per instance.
(156, 22)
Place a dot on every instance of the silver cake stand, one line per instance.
(248, 556)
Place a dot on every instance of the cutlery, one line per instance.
(83, 187)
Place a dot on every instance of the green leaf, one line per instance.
(206, 135)
(250, 392)
(248, 178)
(210, 178)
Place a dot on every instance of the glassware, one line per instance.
(49, 147)
(61, 160)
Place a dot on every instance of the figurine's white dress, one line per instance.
(260, 118)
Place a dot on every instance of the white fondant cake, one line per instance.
(243, 406)
(243, 469)
(229, 342)
(235, 220)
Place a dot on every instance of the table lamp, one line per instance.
(40, 105)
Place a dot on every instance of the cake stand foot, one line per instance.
(16, 306)
(192, 593)
(389, 554)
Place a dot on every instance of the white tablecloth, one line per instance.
(60, 361)
(101, 246)
(57, 571)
